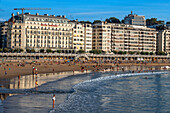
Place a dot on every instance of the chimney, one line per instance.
(37, 13)
(17, 13)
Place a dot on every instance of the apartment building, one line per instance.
(101, 36)
(121, 37)
(163, 41)
(29, 31)
(134, 19)
(82, 36)
(133, 38)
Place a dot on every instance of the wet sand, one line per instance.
(13, 70)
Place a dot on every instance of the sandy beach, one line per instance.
(10, 70)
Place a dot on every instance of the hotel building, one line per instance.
(29, 31)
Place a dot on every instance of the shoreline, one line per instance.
(13, 70)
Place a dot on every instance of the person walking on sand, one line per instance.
(53, 99)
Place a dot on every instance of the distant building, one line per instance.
(134, 19)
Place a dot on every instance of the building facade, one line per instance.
(134, 19)
(28, 31)
(101, 36)
(39, 32)
(121, 37)
(163, 41)
(133, 38)
(82, 36)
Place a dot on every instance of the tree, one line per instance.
(115, 52)
(1, 50)
(16, 50)
(146, 53)
(151, 53)
(137, 53)
(153, 21)
(21, 50)
(167, 22)
(131, 52)
(80, 51)
(5, 50)
(48, 50)
(11, 50)
(142, 53)
(58, 51)
(97, 21)
(124, 52)
(120, 52)
(28, 50)
(112, 20)
(122, 21)
(32, 50)
(85, 22)
(161, 53)
(96, 51)
(41, 50)
(161, 27)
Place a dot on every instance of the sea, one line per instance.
(88, 92)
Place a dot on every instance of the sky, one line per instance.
(90, 10)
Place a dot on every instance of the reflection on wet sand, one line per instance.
(30, 81)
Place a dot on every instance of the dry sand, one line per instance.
(13, 70)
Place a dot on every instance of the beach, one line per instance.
(14, 69)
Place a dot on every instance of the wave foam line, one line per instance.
(118, 76)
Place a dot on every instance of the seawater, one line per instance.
(129, 93)
(94, 93)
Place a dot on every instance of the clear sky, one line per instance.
(90, 9)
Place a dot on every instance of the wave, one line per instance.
(85, 93)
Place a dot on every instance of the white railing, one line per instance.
(73, 55)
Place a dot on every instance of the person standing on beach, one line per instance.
(5, 73)
(36, 85)
(53, 99)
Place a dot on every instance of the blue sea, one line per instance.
(92, 92)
